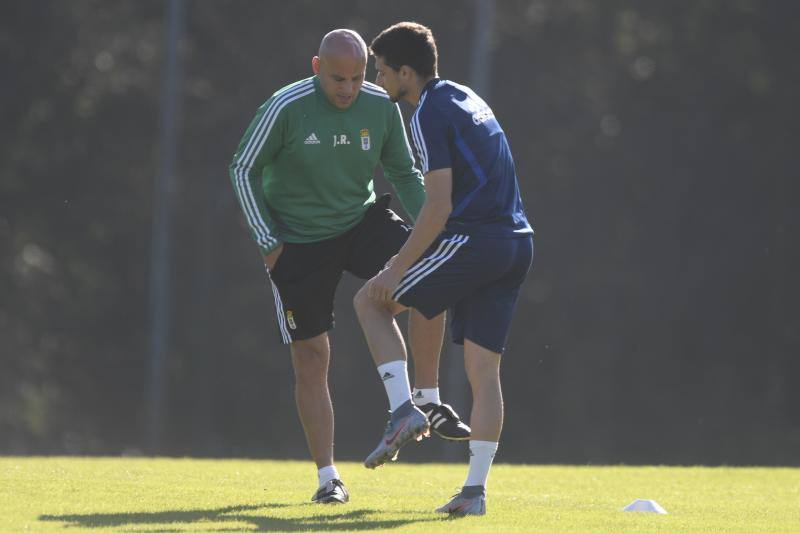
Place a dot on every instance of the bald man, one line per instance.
(303, 175)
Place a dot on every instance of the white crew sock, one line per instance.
(423, 396)
(395, 378)
(480, 461)
(327, 473)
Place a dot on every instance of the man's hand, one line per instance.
(271, 258)
(382, 286)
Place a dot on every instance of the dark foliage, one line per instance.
(656, 146)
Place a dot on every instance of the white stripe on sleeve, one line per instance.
(247, 158)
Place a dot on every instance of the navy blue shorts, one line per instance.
(478, 278)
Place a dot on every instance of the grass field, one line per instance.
(141, 494)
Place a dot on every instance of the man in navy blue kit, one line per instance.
(470, 250)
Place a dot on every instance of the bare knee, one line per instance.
(310, 359)
(362, 302)
(479, 372)
(367, 307)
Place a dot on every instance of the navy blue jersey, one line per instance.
(453, 127)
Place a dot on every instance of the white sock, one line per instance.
(395, 378)
(327, 473)
(480, 461)
(423, 396)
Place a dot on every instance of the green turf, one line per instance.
(229, 495)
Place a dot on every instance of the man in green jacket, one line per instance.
(303, 175)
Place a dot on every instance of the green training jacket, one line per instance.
(303, 170)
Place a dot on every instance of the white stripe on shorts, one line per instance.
(287, 338)
(447, 249)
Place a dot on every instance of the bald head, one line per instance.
(343, 43)
(341, 66)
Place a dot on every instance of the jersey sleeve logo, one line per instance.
(365, 139)
(482, 115)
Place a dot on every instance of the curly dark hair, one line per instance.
(407, 43)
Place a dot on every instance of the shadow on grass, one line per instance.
(355, 519)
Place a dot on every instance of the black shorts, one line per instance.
(305, 278)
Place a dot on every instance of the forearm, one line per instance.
(411, 193)
(430, 223)
(254, 209)
(246, 169)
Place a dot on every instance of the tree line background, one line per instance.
(656, 146)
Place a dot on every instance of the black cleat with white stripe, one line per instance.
(331, 492)
(445, 422)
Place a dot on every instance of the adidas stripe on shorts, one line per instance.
(477, 278)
